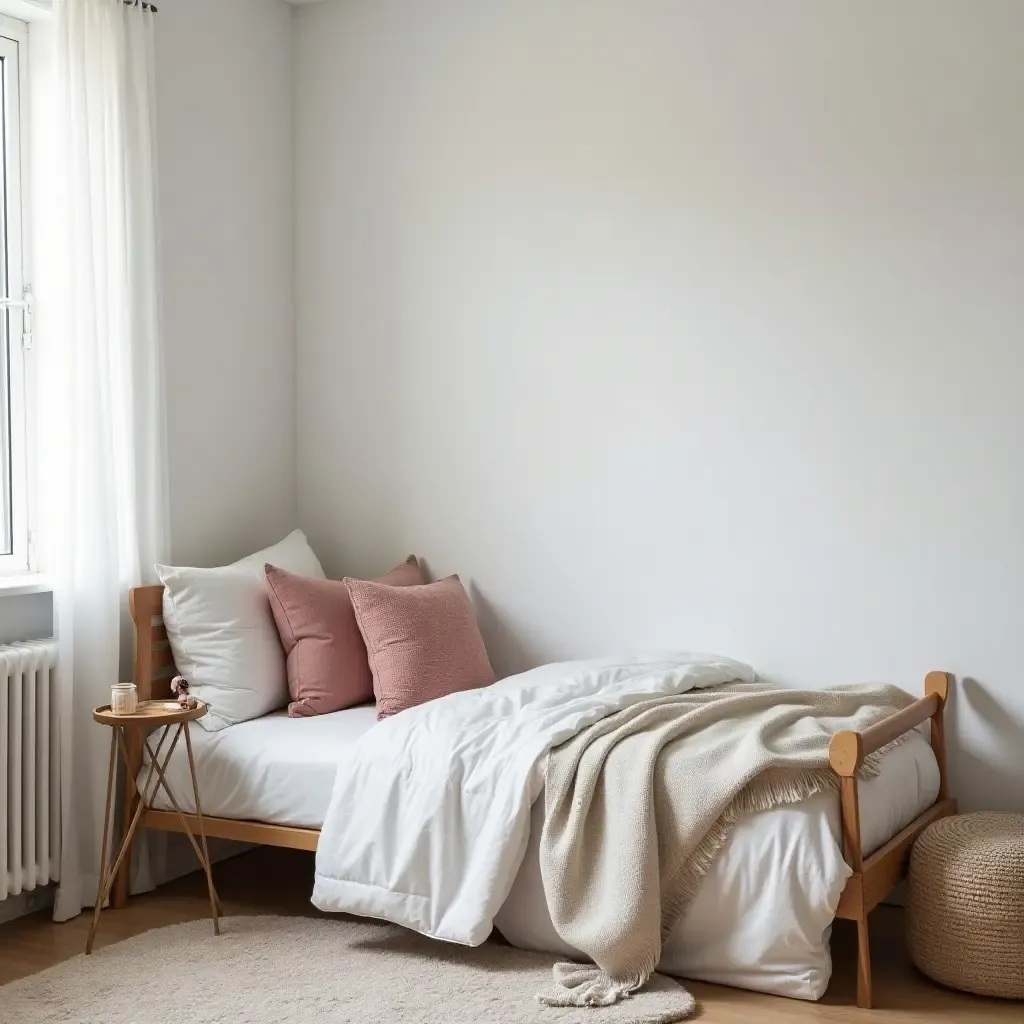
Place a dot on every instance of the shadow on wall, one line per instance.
(508, 648)
(993, 770)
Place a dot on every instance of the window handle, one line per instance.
(25, 304)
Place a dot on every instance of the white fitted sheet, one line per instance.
(274, 769)
(761, 920)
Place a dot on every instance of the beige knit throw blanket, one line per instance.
(638, 804)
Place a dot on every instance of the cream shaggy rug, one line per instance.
(297, 970)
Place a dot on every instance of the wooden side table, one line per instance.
(153, 714)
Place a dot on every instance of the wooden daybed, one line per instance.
(873, 877)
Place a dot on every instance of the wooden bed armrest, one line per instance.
(847, 750)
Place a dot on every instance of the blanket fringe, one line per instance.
(588, 985)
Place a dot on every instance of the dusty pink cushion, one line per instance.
(422, 642)
(327, 666)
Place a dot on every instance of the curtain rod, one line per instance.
(143, 4)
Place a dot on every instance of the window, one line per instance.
(15, 306)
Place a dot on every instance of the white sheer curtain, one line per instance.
(102, 447)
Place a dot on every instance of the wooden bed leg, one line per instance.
(853, 852)
(863, 963)
(846, 755)
(119, 892)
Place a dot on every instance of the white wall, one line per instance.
(679, 325)
(25, 617)
(224, 84)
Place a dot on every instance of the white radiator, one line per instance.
(29, 766)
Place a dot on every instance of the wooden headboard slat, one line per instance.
(154, 663)
(162, 658)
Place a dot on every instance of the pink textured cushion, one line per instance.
(327, 666)
(423, 642)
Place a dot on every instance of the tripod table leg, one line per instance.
(214, 902)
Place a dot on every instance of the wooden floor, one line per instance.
(274, 881)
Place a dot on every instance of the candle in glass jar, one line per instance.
(123, 698)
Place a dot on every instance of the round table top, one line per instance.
(150, 714)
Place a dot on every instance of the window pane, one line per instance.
(6, 503)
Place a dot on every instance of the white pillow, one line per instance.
(222, 631)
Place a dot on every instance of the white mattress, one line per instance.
(763, 915)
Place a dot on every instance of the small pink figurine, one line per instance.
(179, 687)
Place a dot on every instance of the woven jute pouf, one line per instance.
(965, 908)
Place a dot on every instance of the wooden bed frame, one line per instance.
(873, 877)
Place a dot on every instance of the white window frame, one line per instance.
(14, 49)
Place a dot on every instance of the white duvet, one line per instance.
(430, 816)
